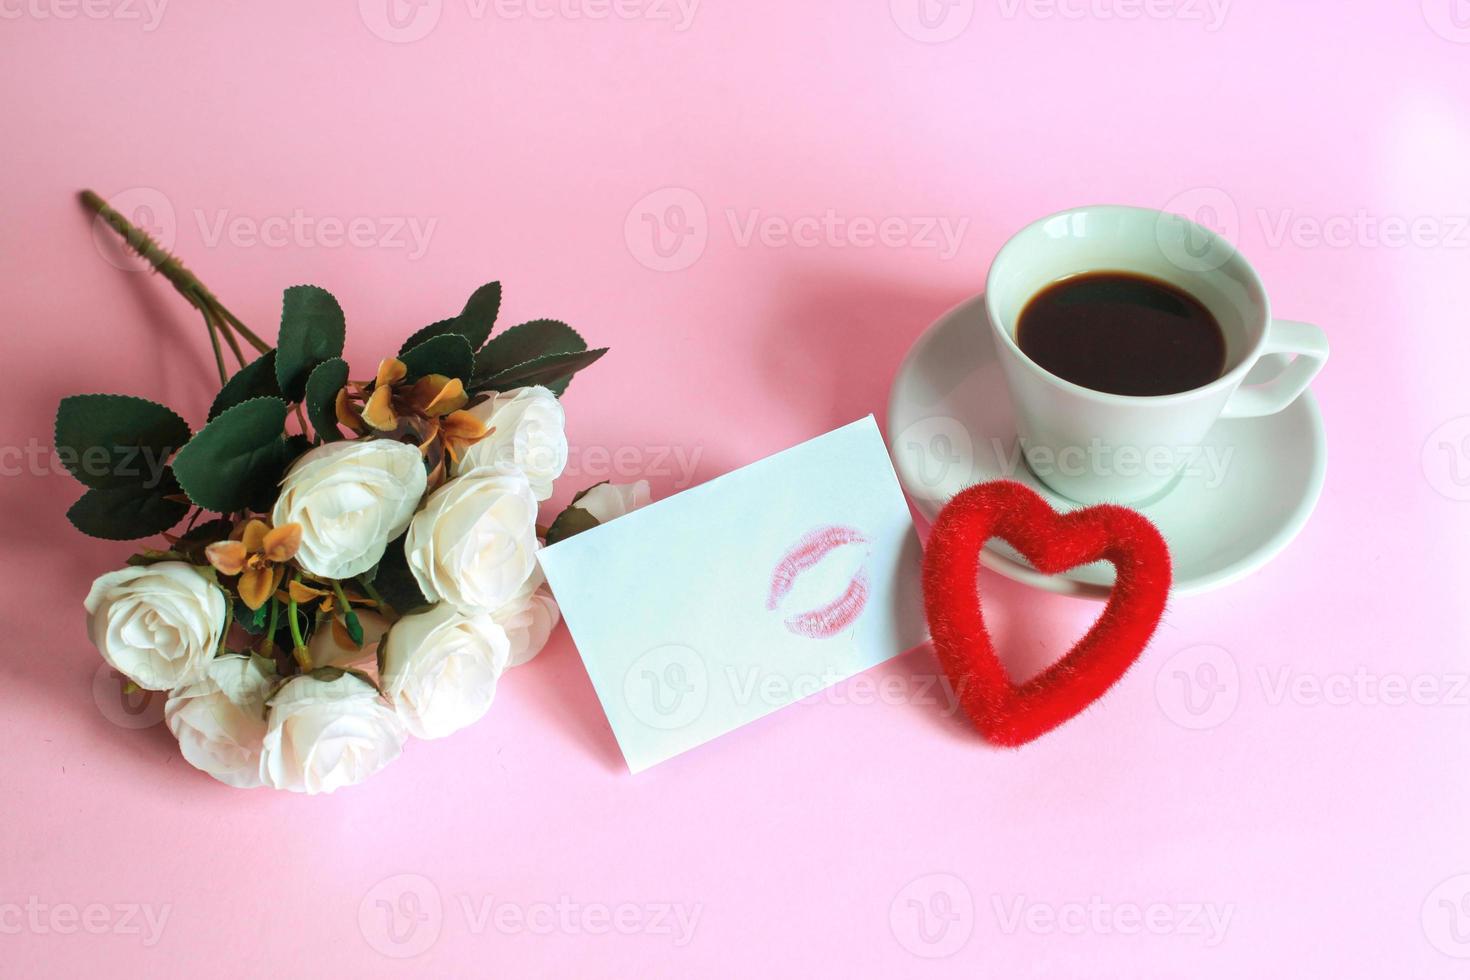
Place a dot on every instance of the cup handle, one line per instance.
(1304, 340)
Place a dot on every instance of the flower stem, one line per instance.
(299, 651)
(349, 617)
(173, 270)
(234, 344)
(219, 358)
(269, 643)
(374, 595)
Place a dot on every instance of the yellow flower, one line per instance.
(428, 412)
(257, 553)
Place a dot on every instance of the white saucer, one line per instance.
(950, 425)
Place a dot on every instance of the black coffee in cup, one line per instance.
(1122, 333)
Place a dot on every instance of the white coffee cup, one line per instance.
(1092, 446)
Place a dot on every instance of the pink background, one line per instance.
(1331, 828)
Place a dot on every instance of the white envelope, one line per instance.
(706, 610)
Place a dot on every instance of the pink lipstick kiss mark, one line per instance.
(834, 617)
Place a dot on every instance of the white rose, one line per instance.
(159, 625)
(325, 731)
(608, 500)
(528, 619)
(440, 668)
(474, 543)
(350, 498)
(530, 434)
(219, 720)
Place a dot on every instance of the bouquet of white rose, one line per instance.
(371, 569)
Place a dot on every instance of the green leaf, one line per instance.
(127, 512)
(552, 370)
(272, 471)
(436, 329)
(313, 330)
(202, 535)
(477, 318)
(320, 399)
(255, 380)
(573, 520)
(257, 621)
(524, 342)
(112, 441)
(236, 458)
(395, 582)
(474, 323)
(449, 354)
(151, 556)
(253, 621)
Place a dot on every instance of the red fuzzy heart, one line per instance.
(1013, 714)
